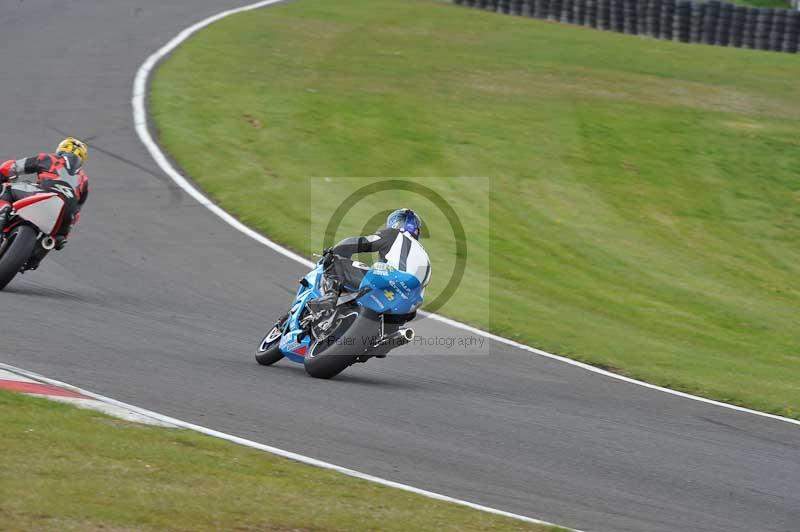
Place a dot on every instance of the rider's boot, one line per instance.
(5, 211)
(327, 301)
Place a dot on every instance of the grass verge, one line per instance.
(644, 194)
(70, 469)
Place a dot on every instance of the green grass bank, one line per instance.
(644, 196)
(71, 469)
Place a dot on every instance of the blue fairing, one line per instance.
(388, 291)
(292, 345)
(392, 291)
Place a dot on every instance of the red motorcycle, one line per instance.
(31, 229)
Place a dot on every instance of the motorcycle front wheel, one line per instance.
(269, 351)
(15, 250)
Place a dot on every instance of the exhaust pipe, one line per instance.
(48, 243)
(399, 337)
(408, 334)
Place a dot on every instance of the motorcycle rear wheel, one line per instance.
(343, 347)
(15, 251)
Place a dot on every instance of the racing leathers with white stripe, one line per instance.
(395, 247)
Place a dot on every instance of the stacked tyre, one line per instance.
(538, 8)
(710, 22)
(777, 30)
(790, 36)
(667, 19)
(616, 19)
(763, 28)
(653, 23)
(603, 14)
(738, 15)
(579, 12)
(554, 10)
(629, 17)
(680, 24)
(724, 24)
(566, 11)
(695, 21)
(750, 23)
(591, 13)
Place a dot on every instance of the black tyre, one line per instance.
(268, 351)
(15, 251)
(349, 340)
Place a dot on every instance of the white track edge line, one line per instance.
(141, 124)
(140, 120)
(139, 103)
(274, 450)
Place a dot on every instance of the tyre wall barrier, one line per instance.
(680, 22)
(712, 22)
(790, 36)
(603, 14)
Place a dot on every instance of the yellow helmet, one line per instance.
(75, 147)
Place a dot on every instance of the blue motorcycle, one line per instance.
(331, 327)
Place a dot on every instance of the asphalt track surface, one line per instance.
(158, 303)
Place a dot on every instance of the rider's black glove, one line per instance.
(327, 257)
